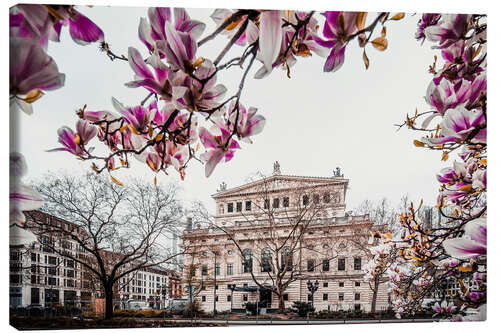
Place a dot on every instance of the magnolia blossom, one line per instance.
(450, 29)
(153, 32)
(20, 236)
(74, 142)
(457, 126)
(219, 16)
(472, 244)
(338, 28)
(22, 197)
(31, 71)
(425, 21)
(479, 180)
(44, 22)
(444, 308)
(154, 82)
(191, 94)
(218, 148)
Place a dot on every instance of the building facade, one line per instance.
(41, 275)
(279, 233)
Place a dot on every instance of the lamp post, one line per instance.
(312, 287)
(216, 253)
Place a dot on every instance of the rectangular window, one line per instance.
(325, 297)
(305, 200)
(341, 284)
(203, 298)
(357, 264)
(51, 270)
(229, 269)
(341, 264)
(216, 298)
(248, 205)
(310, 265)
(285, 297)
(326, 265)
(357, 296)
(35, 296)
(217, 269)
(276, 203)
(33, 257)
(229, 298)
(204, 270)
(357, 284)
(230, 207)
(266, 204)
(286, 202)
(325, 284)
(357, 307)
(341, 296)
(239, 206)
(52, 281)
(316, 199)
(52, 260)
(245, 298)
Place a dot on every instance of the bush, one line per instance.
(193, 310)
(251, 307)
(302, 308)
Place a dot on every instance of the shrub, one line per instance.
(302, 308)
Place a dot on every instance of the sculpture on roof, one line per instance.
(336, 173)
(222, 187)
(276, 168)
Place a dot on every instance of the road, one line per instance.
(299, 322)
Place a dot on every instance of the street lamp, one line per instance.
(312, 289)
(216, 253)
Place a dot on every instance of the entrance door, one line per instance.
(265, 298)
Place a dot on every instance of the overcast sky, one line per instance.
(315, 121)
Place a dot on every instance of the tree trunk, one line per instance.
(108, 312)
(374, 296)
(281, 305)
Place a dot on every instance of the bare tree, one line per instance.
(118, 229)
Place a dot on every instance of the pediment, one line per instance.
(282, 182)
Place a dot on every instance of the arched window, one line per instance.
(286, 259)
(247, 263)
(305, 200)
(265, 260)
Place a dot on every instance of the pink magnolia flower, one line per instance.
(138, 117)
(453, 175)
(69, 140)
(472, 244)
(457, 126)
(338, 28)
(190, 94)
(179, 48)
(44, 22)
(425, 21)
(479, 179)
(303, 44)
(270, 37)
(31, 70)
(22, 197)
(450, 29)
(219, 16)
(154, 82)
(218, 148)
(154, 30)
(85, 131)
(444, 308)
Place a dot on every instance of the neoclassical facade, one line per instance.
(278, 233)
